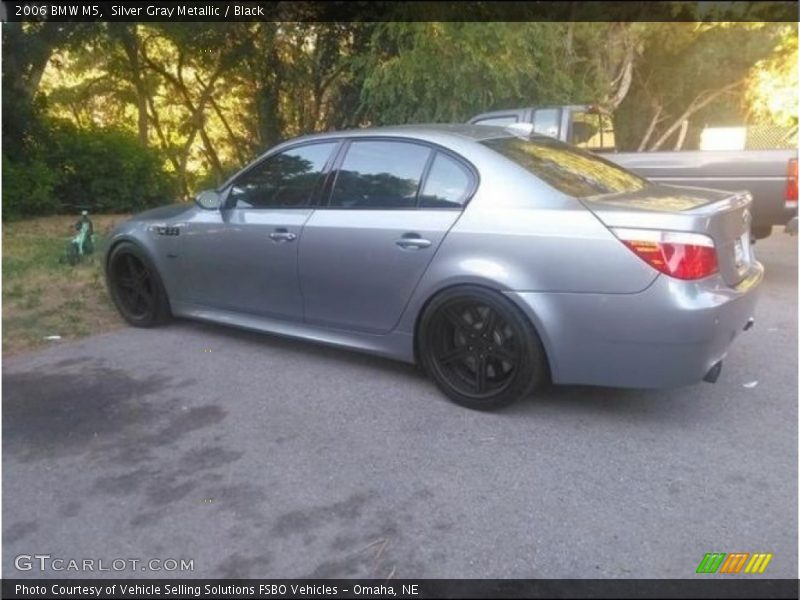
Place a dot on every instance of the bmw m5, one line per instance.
(497, 260)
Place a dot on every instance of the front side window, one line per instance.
(567, 169)
(447, 185)
(286, 180)
(380, 174)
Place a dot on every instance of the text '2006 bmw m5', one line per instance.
(497, 260)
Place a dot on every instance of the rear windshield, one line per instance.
(569, 170)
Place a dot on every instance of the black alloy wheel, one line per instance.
(135, 287)
(480, 350)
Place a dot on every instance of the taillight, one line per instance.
(677, 254)
(791, 184)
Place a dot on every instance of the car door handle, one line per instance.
(281, 235)
(412, 241)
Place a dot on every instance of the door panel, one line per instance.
(244, 257)
(358, 268)
(246, 260)
(362, 256)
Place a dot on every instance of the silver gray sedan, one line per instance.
(497, 260)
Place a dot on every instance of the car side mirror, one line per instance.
(209, 199)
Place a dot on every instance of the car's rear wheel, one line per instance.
(136, 288)
(480, 349)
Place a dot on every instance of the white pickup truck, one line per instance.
(769, 175)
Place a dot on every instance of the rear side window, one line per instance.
(501, 121)
(447, 185)
(380, 174)
(286, 180)
(567, 169)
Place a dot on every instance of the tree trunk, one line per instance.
(212, 154)
(269, 83)
(129, 37)
(196, 109)
(161, 136)
(700, 101)
(23, 67)
(650, 128)
(624, 78)
(231, 135)
(187, 148)
(682, 134)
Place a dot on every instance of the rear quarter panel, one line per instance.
(519, 234)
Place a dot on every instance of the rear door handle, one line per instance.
(412, 241)
(281, 235)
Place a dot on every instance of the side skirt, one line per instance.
(394, 345)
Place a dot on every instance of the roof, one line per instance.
(425, 131)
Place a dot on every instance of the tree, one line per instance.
(772, 83)
(206, 98)
(686, 71)
(449, 71)
(27, 49)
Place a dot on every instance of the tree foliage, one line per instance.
(696, 71)
(192, 102)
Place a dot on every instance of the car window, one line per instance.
(504, 120)
(286, 180)
(380, 174)
(568, 169)
(546, 121)
(447, 184)
(592, 130)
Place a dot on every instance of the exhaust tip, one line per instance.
(713, 373)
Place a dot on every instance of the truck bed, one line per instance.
(761, 172)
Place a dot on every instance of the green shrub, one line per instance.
(28, 188)
(106, 170)
(67, 169)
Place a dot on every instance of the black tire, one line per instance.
(136, 288)
(760, 232)
(480, 349)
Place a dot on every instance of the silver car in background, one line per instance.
(497, 260)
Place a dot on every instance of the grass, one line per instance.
(44, 297)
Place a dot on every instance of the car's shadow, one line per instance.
(635, 404)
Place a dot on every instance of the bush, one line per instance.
(102, 170)
(28, 188)
(106, 170)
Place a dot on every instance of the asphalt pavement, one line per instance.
(254, 456)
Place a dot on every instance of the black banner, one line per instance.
(217, 10)
(733, 587)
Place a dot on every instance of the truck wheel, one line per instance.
(761, 231)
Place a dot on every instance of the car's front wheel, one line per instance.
(136, 288)
(479, 349)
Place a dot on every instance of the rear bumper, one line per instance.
(670, 334)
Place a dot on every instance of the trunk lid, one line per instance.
(723, 216)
